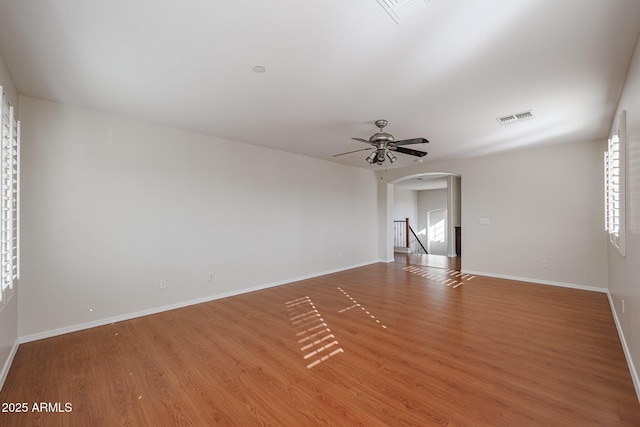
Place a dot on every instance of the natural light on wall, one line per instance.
(437, 232)
(10, 189)
(614, 181)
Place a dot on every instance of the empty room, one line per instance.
(372, 213)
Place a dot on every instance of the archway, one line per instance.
(418, 196)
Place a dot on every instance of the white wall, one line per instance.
(9, 313)
(6, 82)
(454, 211)
(405, 205)
(111, 206)
(624, 272)
(543, 203)
(429, 200)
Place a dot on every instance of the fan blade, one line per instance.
(363, 140)
(411, 141)
(354, 151)
(411, 152)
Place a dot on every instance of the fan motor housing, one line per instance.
(381, 137)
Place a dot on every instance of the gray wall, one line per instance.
(113, 206)
(624, 271)
(543, 203)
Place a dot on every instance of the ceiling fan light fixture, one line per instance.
(372, 157)
(391, 157)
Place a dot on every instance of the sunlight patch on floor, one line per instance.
(452, 278)
(311, 329)
(355, 304)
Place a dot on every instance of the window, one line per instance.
(614, 184)
(9, 194)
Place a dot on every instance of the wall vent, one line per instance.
(512, 118)
(400, 10)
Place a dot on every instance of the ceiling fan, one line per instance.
(383, 145)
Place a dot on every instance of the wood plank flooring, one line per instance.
(382, 345)
(429, 260)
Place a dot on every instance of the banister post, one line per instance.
(406, 233)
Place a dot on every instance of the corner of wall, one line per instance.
(8, 362)
(627, 354)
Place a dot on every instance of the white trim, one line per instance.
(616, 166)
(75, 328)
(78, 327)
(8, 363)
(627, 354)
(538, 281)
(625, 348)
(402, 250)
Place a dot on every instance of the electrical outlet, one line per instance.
(163, 283)
(545, 263)
(622, 306)
(211, 276)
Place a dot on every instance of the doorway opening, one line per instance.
(432, 202)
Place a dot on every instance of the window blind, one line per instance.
(9, 194)
(612, 185)
(614, 171)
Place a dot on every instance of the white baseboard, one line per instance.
(538, 281)
(7, 363)
(402, 250)
(102, 322)
(155, 310)
(625, 348)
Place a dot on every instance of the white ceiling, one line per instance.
(333, 68)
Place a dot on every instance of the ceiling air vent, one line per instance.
(512, 118)
(400, 10)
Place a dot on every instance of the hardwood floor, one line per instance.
(383, 345)
(429, 260)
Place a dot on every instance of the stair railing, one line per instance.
(418, 240)
(402, 235)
